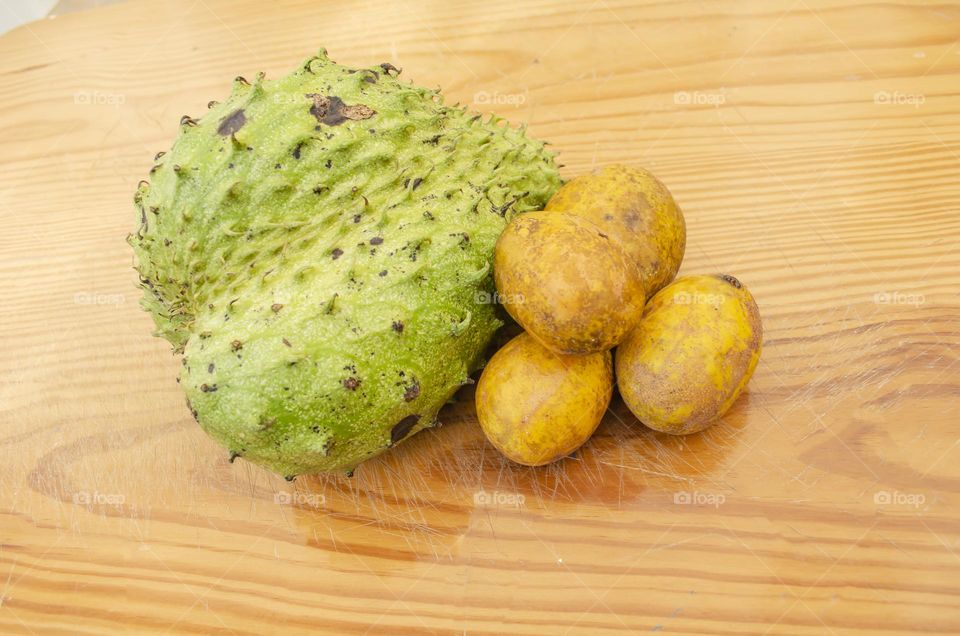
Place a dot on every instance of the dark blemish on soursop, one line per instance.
(276, 307)
(336, 253)
(212, 103)
(356, 218)
(157, 156)
(266, 423)
(412, 392)
(208, 388)
(242, 80)
(187, 120)
(236, 345)
(351, 383)
(232, 123)
(290, 477)
(388, 68)
(329, 163)
(331, 111)
(376, 240)
(397, 326)
(276, 166)
(433, 141)
(406, 182)
(296, 150)
(320, 189)
(727, 278)
(211, 367)
(349, 473)
(287, 342)
(416, 183)
(428, 215)
(233, 456)
(383, 273)
(402, 428)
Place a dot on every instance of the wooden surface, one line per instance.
(815, 148)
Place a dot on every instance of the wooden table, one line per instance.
(815, 148)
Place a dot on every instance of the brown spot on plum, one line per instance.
(727, 278)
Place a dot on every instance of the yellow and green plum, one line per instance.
(691, 355)
(536, 406)
(636, 210)
(567, 283)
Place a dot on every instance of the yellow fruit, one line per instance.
(635, 209)
(691, 355)
(537, 406)
(566, 282)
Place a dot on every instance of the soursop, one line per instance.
(319, 248)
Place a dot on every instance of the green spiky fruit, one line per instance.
(319, 248)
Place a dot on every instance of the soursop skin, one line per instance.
(319, 248)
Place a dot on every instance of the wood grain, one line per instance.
(815, 148)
